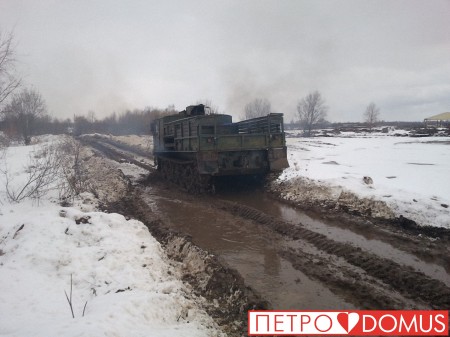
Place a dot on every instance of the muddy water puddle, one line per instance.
(360, 237)
(246, 247)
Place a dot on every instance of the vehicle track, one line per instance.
(409, 282)
(228, 297)
(355, 274)
(117, 151)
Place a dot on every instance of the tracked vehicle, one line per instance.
(192, 147)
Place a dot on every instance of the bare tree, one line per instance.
(23, 110)
(311, 110)
(8, 81)
(371, 115)
(91, 116)
(259, 107)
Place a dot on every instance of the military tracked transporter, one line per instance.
(193, 146)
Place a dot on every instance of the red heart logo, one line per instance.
(343, 320)
(348, 320)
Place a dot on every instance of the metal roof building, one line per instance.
(440, 120)
(445, 116)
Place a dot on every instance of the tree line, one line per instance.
(23, 111)
(311, 111)
(137, 121)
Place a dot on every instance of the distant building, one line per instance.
(440, 120)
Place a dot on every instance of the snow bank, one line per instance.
(408, 176)
(144, 142)
(116, 267)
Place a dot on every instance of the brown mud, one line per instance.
(228, 297)
(294, 256)
(403, 279)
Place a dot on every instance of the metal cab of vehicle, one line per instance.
(219, 147)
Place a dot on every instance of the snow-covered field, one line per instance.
(123, 283)
(411, 176)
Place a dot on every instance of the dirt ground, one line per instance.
(230, 248)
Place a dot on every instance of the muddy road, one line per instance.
(292, 258)
(253, 250)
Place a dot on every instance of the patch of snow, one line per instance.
(132, 171)
(409, 175)
(116, 267)
(145, 142)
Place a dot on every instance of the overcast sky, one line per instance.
(111, 55)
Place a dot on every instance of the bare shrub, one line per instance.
(42, 175)
(75, 174)
(4, 141)
(3, 148)
(66, 167)
(84, 172)
(69, 299)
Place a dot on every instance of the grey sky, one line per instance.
(110, 55)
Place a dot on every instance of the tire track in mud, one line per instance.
(366, 279)
(410, 283)
(229, 298)
(113, 153)
(129, 148)
(365, 292)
